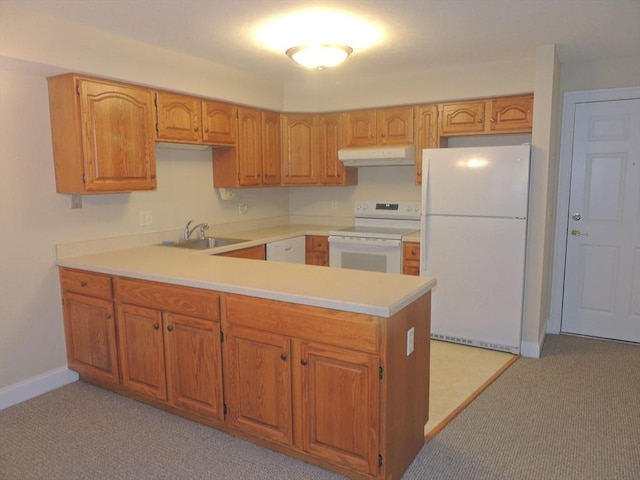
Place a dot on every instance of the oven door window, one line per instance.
(364, 261)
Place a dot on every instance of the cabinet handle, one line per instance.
(493, 120)
(156, 326)
(303, 362)
(480, 120)
(108, 316)
(283, 356)
(83, 283)
(413, 252)
(195, 129)
(170, 328)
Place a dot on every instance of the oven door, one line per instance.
(364, 253)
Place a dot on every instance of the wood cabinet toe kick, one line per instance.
(342, 390)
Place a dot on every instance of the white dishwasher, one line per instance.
(291, 250)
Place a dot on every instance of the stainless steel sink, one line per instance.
(205, 243)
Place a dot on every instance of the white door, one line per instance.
(602, 270)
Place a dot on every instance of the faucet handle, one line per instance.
(203, 227)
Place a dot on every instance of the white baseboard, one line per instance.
(32, 387)
(532, 349)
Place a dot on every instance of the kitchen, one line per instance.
(35, 219)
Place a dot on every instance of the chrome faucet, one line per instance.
(201, 226)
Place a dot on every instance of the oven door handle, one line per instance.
(382, 242)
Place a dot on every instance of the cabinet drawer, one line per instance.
(411, 251)
(87, 283)
(189, 301)
(349, 330)
(317, 243)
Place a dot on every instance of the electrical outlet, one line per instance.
(146, 218)
(410, 341)
(243, 209)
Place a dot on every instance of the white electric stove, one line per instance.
(374, 243)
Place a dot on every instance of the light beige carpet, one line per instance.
(459, 374)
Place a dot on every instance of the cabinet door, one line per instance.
(511, 114)
(317, 250)
(258, 383)
(411, 258)
(219, 121)
(118, 139)
(90, 332)
(462, 118)
(249, 146)
(426, 134)
(271, 149)
(394, 126)
(300, 149)
(340, 406)
(178, 117)
(360, 128)
(194, 368)
(141, 350)
(331, 169)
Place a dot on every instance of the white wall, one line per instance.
(601, 74)
(432, 85)
(46, 40)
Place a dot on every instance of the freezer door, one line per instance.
(479, 266)
(476, 181)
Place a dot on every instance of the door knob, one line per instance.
(577, 233)
(576, 216)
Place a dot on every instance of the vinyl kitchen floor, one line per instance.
(458, 375)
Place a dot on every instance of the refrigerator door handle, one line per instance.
(423, 223)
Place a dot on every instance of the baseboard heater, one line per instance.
(476, 343)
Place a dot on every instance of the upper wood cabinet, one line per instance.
(426, 134)
(497, 115)
(271, 149)
(387, 126)
(256, 160)
(332, 170)
(185, 119)
(103, 135)
(300, 145)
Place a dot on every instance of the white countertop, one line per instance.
(379, 294)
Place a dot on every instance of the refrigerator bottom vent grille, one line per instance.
(475, 343)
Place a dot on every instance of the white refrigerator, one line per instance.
(473, 238)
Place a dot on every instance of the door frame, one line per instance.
(571, 100)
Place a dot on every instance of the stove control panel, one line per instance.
(397, 210)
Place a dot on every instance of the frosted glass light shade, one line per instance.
(319, 56)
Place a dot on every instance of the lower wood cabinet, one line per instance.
(317, 250)
(258, 383)
(411, 258)
(169, 344)
(90, 327)
(339, 405)
(330, 387)
(325, 383)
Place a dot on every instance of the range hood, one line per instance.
(378, 156)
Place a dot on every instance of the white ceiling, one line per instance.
(418, 33)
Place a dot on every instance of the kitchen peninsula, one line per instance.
(328, 365)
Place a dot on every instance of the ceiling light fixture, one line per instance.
(319, 56)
